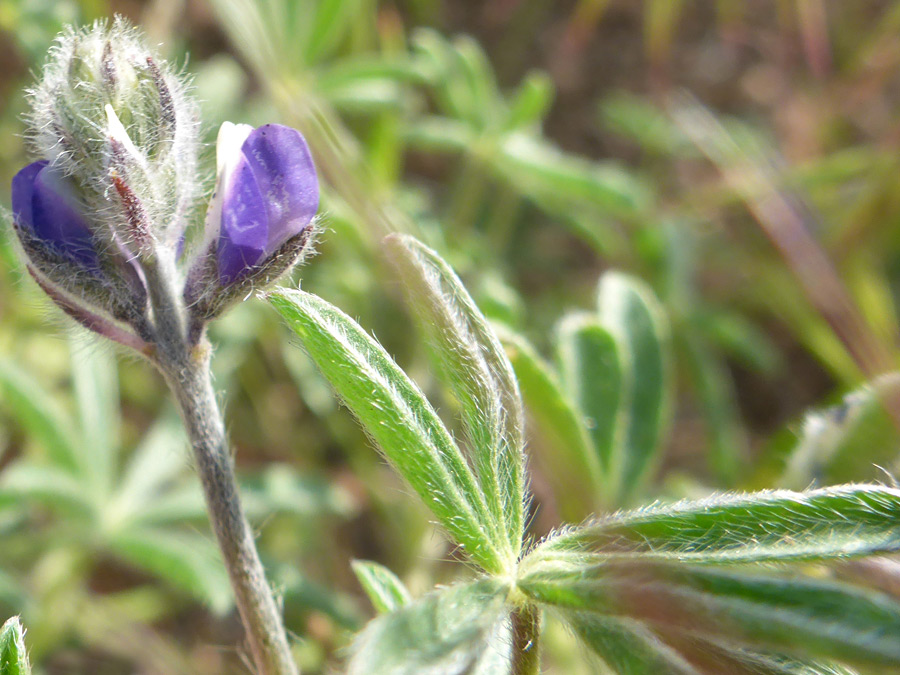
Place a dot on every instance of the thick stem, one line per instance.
(191, 383)
(526, 625)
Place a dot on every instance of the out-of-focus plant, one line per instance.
(685, 587)
(142, 512)
(605, 408)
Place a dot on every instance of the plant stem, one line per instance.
(186, 369)
(526, 625)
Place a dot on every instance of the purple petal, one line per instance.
(44, 203)
(244, 229)
(22, 192)
(286, 175)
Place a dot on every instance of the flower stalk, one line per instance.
(102, 217)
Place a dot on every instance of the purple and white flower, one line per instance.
(267, 192)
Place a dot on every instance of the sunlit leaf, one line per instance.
(397, 415)
(531, 101)
(835, 522)
(473, 363)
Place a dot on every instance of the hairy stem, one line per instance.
(185, 365)
(526, 625)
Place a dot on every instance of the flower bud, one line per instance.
(260, 220)
(118, 123)
(44, 206)
(267, 192)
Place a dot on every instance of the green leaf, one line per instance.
(473, 363)
(39, 415)
(632, 314)
(531, 102)
(795, 616)
(628, 646)
(592, 371)
(633, 647)
(835, 522)
(13, 656)
(438, 134)
(569, 459)
(190, 562)
(536, 168)
(384, 589)
(455, 630)
(399, 418)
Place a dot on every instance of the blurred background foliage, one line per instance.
(739, 160)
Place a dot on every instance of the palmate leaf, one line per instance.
(386, 592)
(776, 526)
(793, 616)
(454, 630)
(399, 418)
(474, 364)
(13, 656)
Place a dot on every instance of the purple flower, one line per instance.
(45, 206)
(267, 193)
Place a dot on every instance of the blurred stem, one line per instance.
(186, 368)
(526, 627)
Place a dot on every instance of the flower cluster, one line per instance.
(103, 214)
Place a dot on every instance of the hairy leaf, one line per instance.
(386, 592)
(452, 631)
(795, 616)
(473, 363)
(835, 522)
(397, 415)
(13, 656)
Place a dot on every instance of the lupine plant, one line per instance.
(102, 217)
(107, 219)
